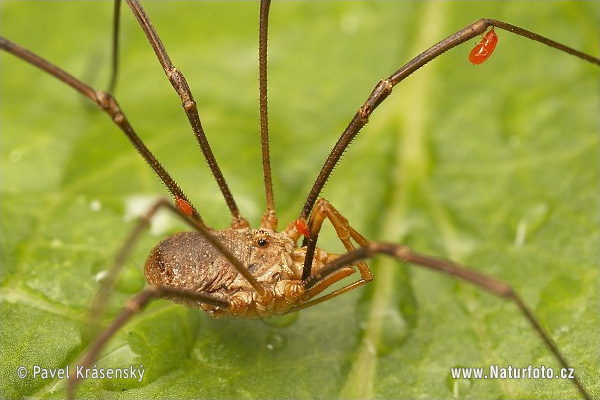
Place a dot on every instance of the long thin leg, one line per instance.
(134, 306)
(114, 70)
(485, 282)
(108, 282)
(109, 105)
(189, 105)
(269, 219)
(383, 89)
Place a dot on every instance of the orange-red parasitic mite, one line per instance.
(484, 49)
(184, 206)
(302, 227)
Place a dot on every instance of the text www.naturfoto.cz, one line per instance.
(510, 372)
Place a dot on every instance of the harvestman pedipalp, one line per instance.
(313, 277)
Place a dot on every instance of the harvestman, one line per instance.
(257, 273)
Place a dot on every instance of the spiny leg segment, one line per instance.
(134, 306)
(404, 253)
(269, 219)
(114, 62)
(189, 105)
(108, 104)
(383, 89)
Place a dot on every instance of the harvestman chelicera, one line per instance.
(257, 273)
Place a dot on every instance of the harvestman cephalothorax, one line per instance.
(338, 207)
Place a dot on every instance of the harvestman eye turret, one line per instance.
(260, 272)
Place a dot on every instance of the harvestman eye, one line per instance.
(212, 269)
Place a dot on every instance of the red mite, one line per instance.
(302, 227)
(484, 49)
(184, 206)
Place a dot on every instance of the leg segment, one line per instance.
(384, 88)
(269, 218)
(108, 283)
(108, 104)
(114, 68)
(345, 232)
(134, 306)
(485, 282)
(189, 105)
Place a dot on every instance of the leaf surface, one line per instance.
(495, 167)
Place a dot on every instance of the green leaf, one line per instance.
(495, 167)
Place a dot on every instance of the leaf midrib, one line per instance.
(410, 167)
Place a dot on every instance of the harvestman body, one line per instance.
(257, 273)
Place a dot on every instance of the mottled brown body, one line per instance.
(186, 260)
